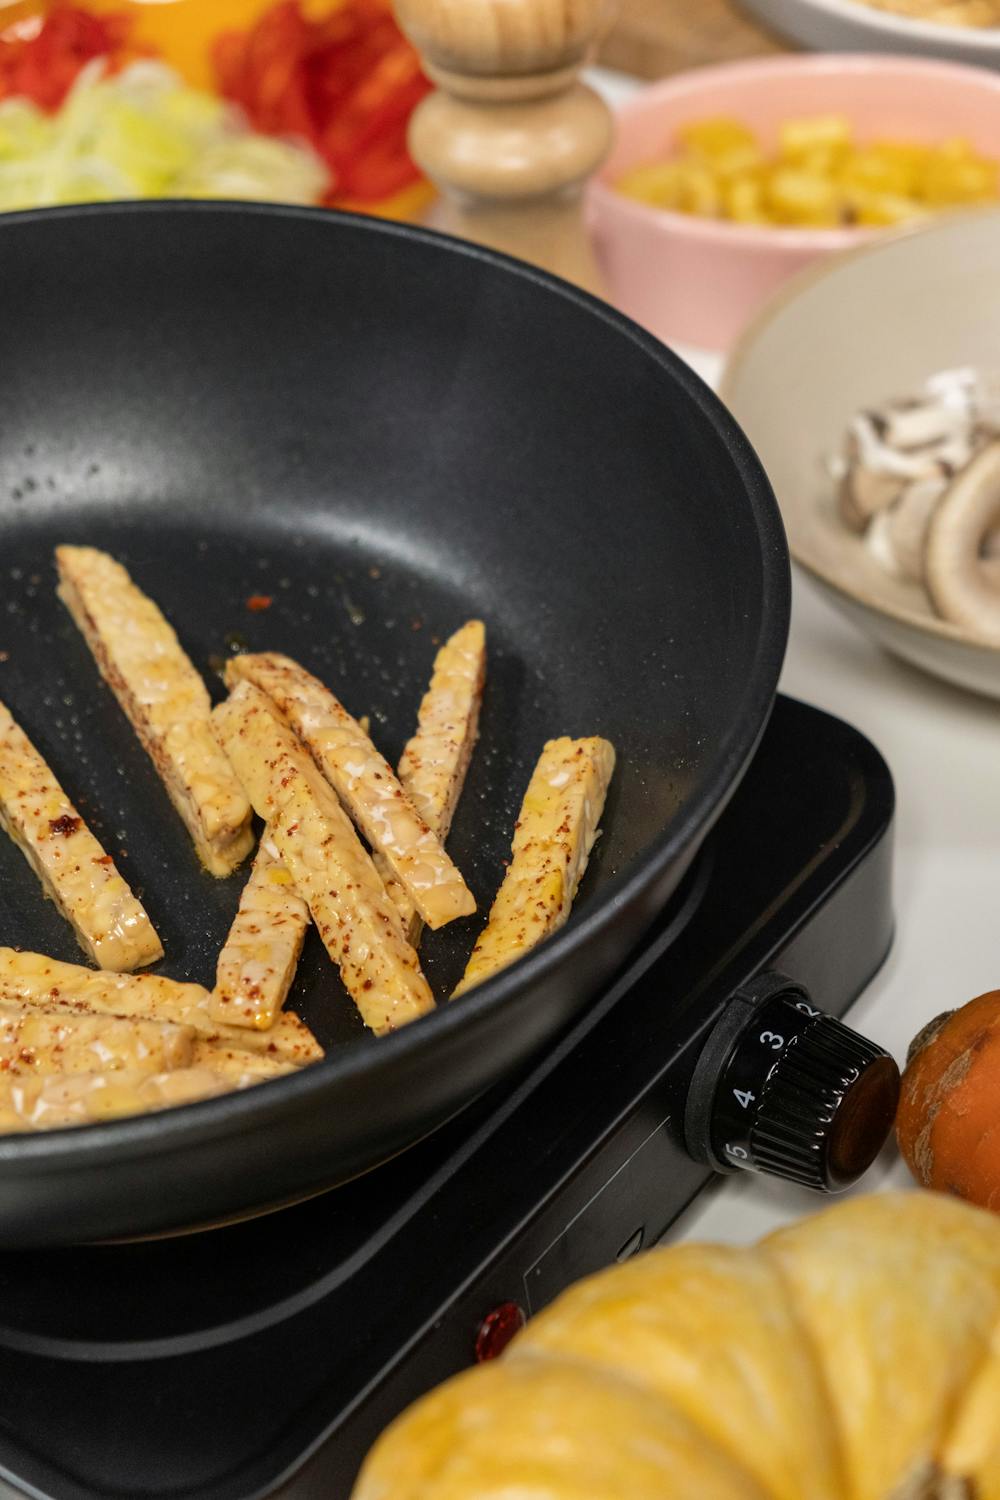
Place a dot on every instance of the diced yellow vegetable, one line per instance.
(715, 137)
(878, 171)
(799, 138)
(953, 176)
(699, 192)
(739, 162)
(906, 161)
(874, 209)
(657, 183)
(822, 161)
(743, 201)
(817, 178)
(796, 197)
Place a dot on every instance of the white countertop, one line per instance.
(941, 745)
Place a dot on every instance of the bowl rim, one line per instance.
(606, 200)
(773, 308)
(985, 39)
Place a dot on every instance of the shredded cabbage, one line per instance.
(143, 133)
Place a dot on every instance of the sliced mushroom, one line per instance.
(971, 391)
(897, 537)
(991, 544)
(878, 473)
(957, 580)
(867, 445)
(864, 492)
(919, 424)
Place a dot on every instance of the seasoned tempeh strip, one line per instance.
(236, 1062)
(553, 837)
(257, 964)
(433, 765)
(76, 873)
(35, 979)
(144, 664)
(87, 1098)
(45, 1042)
(317, 844)
(365, 783)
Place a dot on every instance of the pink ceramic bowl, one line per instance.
(697, 281)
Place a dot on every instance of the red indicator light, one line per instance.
(497, 1329)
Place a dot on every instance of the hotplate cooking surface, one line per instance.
(263, 1358)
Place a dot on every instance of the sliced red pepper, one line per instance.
(41, 62)
(347, 83)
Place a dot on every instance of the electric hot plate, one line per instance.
(262, 1359)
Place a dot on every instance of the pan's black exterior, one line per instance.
(382, 432)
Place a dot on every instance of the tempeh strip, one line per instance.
(553, 837)
(433, 764)
(110, 923)
(142, 661)
(35, 979)
(236, 1062)
(257, 964)
(317, 844)
(87, 1098)
(45, 1042)
(365, 783)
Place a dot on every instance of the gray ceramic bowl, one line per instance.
(849, 26)
(868, 325)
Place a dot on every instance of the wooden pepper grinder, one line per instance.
(511, 134)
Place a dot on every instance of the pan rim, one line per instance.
(184, 1127)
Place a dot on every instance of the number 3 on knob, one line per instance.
(773, 1040)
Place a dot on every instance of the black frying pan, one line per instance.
(388, 433)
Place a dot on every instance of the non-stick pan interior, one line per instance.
(248, 408)
(371, 436)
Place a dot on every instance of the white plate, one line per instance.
(858, 329)
(849, 26)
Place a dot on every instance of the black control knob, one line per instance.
(782, 1088)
